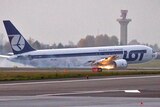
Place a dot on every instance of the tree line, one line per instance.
(88, 41)
(99, 40)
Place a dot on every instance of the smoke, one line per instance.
(8, 64)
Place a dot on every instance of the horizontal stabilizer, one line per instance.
(2, 57)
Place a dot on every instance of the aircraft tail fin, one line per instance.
(17, 41)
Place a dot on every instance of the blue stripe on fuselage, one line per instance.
(74, 54)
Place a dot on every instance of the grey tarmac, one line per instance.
(121, 91)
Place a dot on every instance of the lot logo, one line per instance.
(134, 55)
(17, 43)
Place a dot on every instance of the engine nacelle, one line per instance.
(120, 63)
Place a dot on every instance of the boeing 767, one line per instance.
(97, 58)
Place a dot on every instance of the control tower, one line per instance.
(123, 27)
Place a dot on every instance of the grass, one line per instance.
(31, 74)
(13, 74)
(151, 64)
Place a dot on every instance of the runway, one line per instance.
(56, 101)
(113, 91)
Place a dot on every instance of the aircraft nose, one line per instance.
(154, 55)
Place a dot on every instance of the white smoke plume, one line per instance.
(8, 64)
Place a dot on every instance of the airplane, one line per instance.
(96, 58)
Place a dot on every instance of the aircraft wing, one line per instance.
(111, 62)
(107, 61)
(104, 61)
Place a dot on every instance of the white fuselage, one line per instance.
(79, 57)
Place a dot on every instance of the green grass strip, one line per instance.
(6, 75)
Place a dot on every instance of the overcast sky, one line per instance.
(54, 21)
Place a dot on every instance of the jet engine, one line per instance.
(120, 63)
